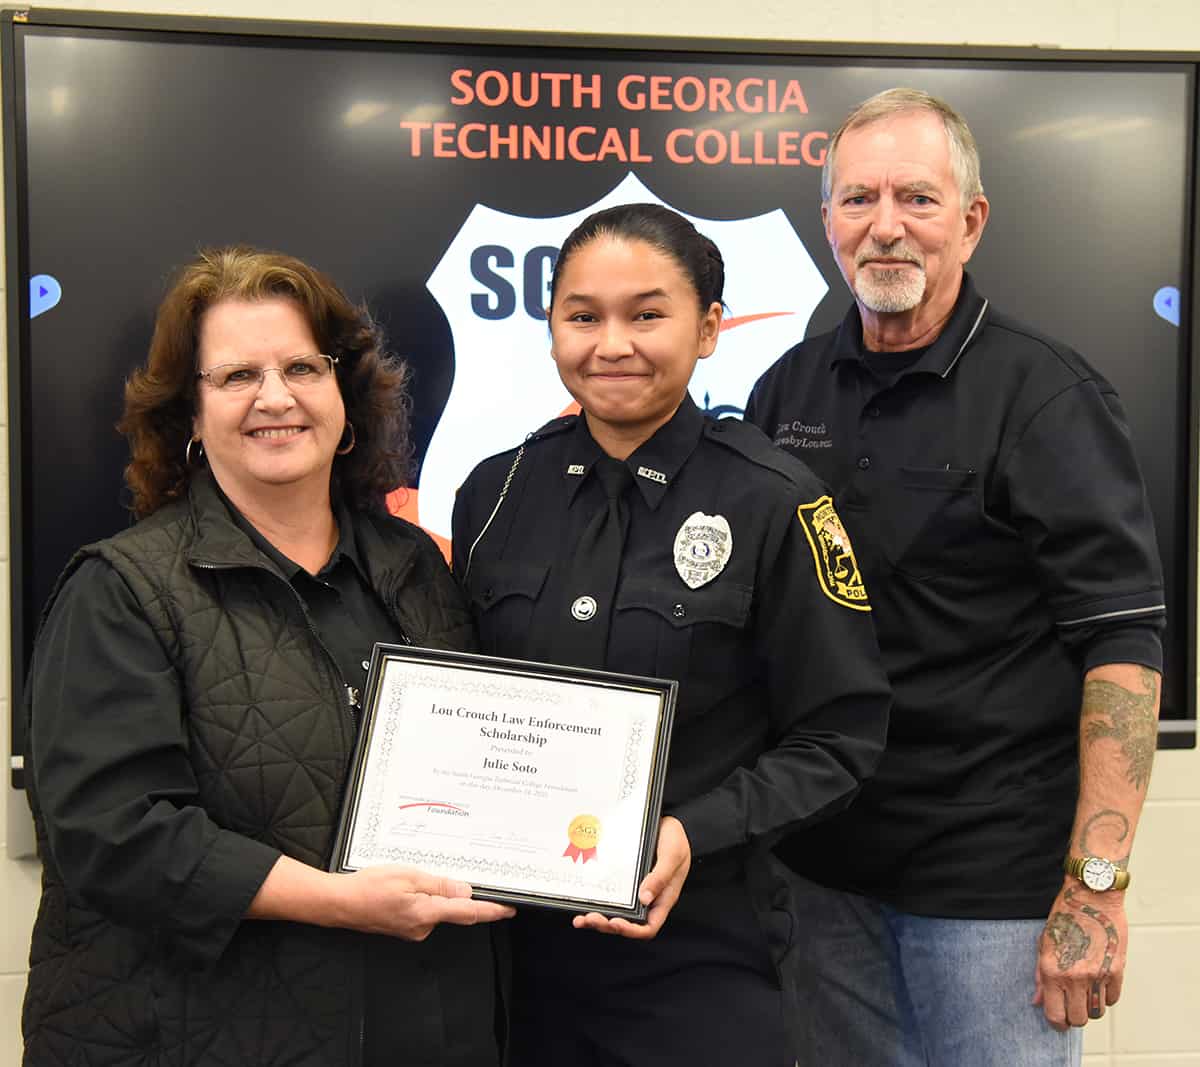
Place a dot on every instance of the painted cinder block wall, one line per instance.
(1157, 1023)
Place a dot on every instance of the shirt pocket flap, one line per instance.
(500, 581)
(946, 479)
(727, 603)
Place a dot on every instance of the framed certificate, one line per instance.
(537, 784)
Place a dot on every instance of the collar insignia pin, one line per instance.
(703, 546)
(652, 475)
(576, 468)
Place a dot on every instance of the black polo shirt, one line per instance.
(993, 498)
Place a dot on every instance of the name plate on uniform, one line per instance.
(537, 784)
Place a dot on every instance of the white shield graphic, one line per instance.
(495, 276)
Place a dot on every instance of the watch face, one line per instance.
(1099, 874)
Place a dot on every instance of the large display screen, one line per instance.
(435, 181)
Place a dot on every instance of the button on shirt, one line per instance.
(782, 704)
(1005, 537)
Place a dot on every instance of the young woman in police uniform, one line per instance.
(645, 537)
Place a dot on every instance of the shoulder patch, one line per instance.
(837, 568)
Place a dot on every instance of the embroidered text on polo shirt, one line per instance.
(801, 434)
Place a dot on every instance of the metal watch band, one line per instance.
(1074, 867)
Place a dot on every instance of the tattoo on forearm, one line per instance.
(1070, 941)
(1113, 939)
(1103, 833)
(1111, 710)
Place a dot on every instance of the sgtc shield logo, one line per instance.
(493, 285)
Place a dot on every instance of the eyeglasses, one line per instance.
(300, 371)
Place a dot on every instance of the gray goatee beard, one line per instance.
(889, 291)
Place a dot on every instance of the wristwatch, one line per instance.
(1096, 873)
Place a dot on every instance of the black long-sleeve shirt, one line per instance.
(118, 790)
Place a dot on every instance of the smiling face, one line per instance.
(269, 435)
(627, 329)
(896, 223)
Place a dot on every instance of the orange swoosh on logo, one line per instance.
(403, 503)
(741, 320)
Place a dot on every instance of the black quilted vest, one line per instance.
(271, 736)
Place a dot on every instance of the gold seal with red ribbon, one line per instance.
(583, 835)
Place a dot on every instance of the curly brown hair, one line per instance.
(160, 397)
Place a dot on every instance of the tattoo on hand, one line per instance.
(1113, 939)
(1112, 828)
(1127, 717)
(1070, 941)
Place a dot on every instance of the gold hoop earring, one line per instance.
(345, 450)
(187, 452)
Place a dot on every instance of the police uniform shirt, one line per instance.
(995, 505)
(782, 704)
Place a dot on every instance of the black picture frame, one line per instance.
(513, 881)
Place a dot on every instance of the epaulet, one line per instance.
(543, 433)
(750, 442)
(554, 426)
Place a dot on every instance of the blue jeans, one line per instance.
(868, 986)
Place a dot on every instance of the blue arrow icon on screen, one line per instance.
(1166, 304)
(44, 293)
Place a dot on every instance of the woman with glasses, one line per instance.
(193, 710)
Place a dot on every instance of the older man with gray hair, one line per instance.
(968, 907)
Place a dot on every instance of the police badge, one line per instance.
(703, 546)
(837, 569)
